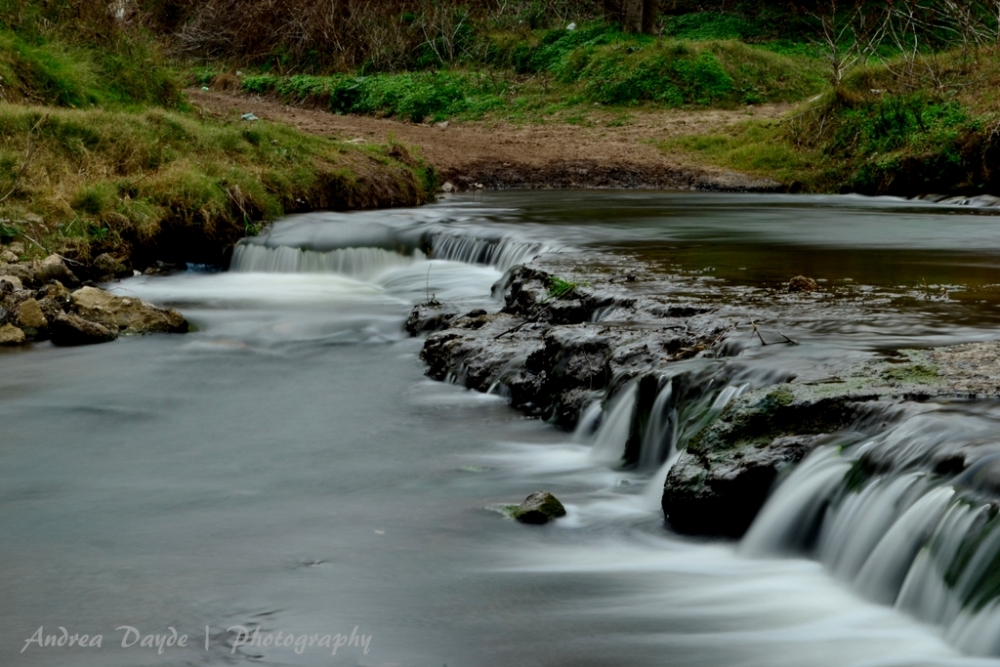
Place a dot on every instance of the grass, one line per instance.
(891, 128)
(562, 69)
(180, 187)
(99, 152)
(412, 96)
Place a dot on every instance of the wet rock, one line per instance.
(125, 315)
(723, 478)
(802, 284)
(54, 268)
(31, 319)
(429, 317)
(538, 508)
(71, 329)
(108, 266)
(547, 354)
(537, 294)
(11, 335)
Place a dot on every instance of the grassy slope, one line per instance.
(889, 129)
(531, 75)
(99, 154)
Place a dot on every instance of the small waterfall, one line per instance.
(502, 253)
(612, 435)
(361, 263)
(909, 539)
(653, 418)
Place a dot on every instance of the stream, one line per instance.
(288, 468)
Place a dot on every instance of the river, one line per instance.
(288, 468)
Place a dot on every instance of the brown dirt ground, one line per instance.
(499, 155)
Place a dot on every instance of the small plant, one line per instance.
(560, 288)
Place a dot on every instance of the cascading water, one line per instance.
(361, 263)
(921, 540)
(501, 253)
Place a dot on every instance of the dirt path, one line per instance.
(606, 151)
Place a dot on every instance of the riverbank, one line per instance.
(601, 150)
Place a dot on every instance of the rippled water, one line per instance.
(288, 466)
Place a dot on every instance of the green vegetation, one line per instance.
(878, 133)
(118, 181)
(98, 152)
(550, 70)
(560, 288)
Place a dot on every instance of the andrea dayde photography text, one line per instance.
(499, 333)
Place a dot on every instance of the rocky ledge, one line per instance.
(545, 351)
(46, 300)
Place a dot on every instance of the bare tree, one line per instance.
(848, 35)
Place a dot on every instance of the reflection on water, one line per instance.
(287, 466)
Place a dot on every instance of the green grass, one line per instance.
(412, 96)
(761, 149)
(65, 74)
(153, 181)
(574, 69)
(886, 130)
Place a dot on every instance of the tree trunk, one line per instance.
(649, 14)
(632, 15)
(613, 11)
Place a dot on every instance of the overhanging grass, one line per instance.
(168, 184)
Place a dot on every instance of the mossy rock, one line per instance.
(538, 508)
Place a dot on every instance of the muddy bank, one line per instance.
(499, 155)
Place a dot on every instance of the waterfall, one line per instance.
(502, 253)
(908, 539)
(659, 414)
(612, 435)
(361, 263)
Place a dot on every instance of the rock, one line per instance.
(51, 308)
(802, 284)
(107, 265)
(53, 268)
(538, 508)
(17, 248)
(7, 257)
(31, 318)
(23, 272)
(55, 291)
(430, 316)
(13, 283)
(12, 300)
(448, 187)
(549, 356)
(71, 329)
(125, 315)
(11, 335)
